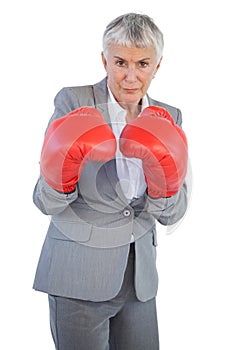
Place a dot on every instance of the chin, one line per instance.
(131, 99)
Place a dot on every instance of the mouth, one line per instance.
(131, 91)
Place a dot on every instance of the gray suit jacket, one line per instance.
(85, 251)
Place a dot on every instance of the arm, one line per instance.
(159, 141)
(170, 210)
(161, 144)
(50, 201)
(70, 142)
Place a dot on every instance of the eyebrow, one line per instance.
(122, 59)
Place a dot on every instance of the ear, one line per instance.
(104, 60)
(158, 65)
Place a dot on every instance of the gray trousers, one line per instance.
(122, 323)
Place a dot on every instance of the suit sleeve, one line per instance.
(48, 200)
(170, 210)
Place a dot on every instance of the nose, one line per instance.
(131, 74)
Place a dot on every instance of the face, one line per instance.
(129, 72)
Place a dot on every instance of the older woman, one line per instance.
(113, 163)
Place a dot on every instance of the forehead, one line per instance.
(131, 53)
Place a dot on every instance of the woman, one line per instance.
(112, 164)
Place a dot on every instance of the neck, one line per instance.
(133, 110)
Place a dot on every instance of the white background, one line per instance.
(49, 44)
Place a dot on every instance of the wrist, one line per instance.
(156, 194)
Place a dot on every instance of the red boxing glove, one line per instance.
(72, 141)
(154, 138)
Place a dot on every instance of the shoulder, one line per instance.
(77, 96)
(74, 95)
(174, 111)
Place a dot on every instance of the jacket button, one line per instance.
(126, 212)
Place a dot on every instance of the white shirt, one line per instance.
(129, 170)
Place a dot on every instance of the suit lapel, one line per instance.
(101, 99)
(101, 103)
(111, 172)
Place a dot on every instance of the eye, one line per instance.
(120, 63)
(143, 64)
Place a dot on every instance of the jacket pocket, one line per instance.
(77, 231)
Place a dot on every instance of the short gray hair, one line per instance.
(134, 29)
